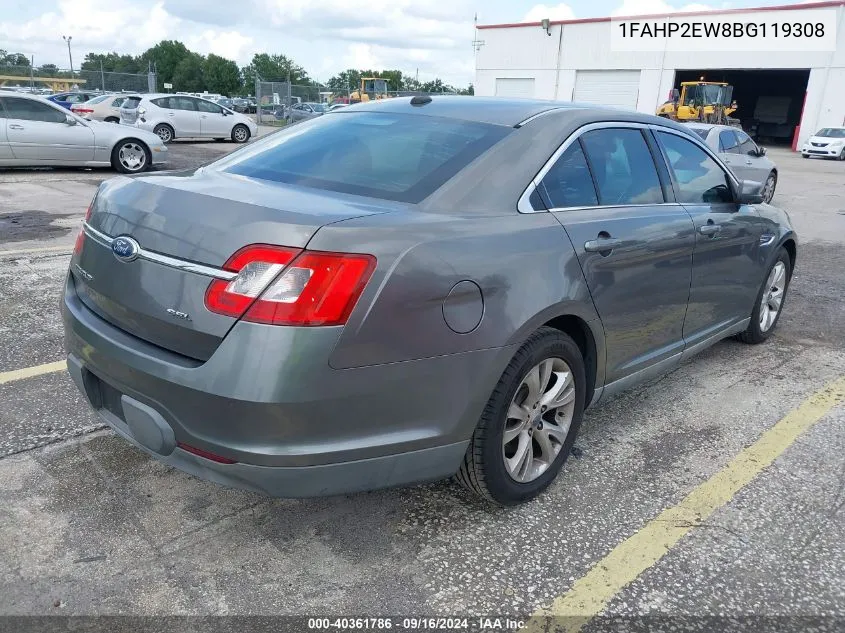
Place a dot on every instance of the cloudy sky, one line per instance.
(325, 36)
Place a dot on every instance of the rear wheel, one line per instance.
(130, 156)
(165, 132)
(769, 303)
(111, 119)
(841, 154)
(769, 187)
(240, 133)
(530, 422)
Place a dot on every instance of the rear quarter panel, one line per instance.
(524, 266)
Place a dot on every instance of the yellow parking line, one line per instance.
(590, 594)
(34, 251)
(29, 372)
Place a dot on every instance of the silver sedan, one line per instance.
(35, 132)
(738, 151)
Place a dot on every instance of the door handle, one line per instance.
(709, 229)
(748, 162)
(602, 244)
(14, 126)
(171, 114)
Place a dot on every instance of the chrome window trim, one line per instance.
(164, 260)
(538, 115)
(523, 205)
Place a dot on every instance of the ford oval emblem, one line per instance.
(125, 248)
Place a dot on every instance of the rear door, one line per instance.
(727, 269)
(182, 114)
(730, 154)
(39, 132)
(213, 121)
(634, 245)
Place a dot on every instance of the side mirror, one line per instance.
(750, 192)
(69, 120)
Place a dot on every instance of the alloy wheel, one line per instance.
(769, 188)
(772, 296)
(164, 134)
(240, 134)
(132, 156)
(538, 420)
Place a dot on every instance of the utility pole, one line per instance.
(32, 73)
(68, 38)
(102, 76)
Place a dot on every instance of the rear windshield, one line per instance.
(832, 132)
(392, 156)
(98, 99)
(130, 103)
(701, 132)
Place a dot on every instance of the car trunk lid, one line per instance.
(187, 226)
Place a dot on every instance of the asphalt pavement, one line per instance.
(89, 525)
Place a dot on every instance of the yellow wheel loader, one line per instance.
(371, 88)
(704, 101)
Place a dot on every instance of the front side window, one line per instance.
(29, 110)
(699, 179)
(569, 183)
(393, 156)
(622, 167)
(746, 145)
(207, 106)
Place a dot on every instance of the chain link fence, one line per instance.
(276, 99)
(49, 79)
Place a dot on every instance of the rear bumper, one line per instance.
(295, 427)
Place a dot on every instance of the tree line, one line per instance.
(189, 71)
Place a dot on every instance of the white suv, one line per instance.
(181, 116)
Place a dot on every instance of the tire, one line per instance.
(841, 154)
(805, 156)
(769, 189)
(165, 132)
(756, 331)
(111, 119)
(484, 470)
(240, 133)
(130, 156)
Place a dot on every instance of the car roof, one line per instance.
(510, 112)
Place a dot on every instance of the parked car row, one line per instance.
(38, 131)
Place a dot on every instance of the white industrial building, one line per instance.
(786, 87)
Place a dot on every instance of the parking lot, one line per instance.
(658, 513)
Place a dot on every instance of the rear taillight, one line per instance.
(89, 211)
(82, 110)
(282, 286)
(80, 242)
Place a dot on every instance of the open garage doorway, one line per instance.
(770, 101)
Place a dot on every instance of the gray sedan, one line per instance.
(302, 111)
(414, 289)
(35, 132)
(739, 152)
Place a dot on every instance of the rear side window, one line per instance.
(698, 178)
(728, 142)
(568, 183)
(162, 102)
(622, 166)
(401, 157)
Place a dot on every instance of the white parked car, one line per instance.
(181, 116)
(103, 108)
(828, 142)
(35, 132)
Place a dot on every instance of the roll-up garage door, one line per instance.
(607, 87)
(515, 87)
